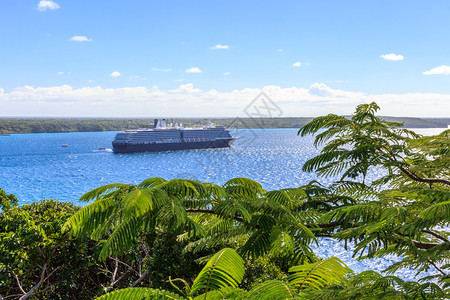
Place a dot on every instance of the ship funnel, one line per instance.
(163, 123)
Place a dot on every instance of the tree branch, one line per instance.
(436, 235)
(125, 264)
(139, 280)
(418, 244)
(439, 270)
(41, 281)
(18, 283)
(421, 179)
(114, 274)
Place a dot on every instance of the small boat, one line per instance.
(101, 148)
(64, 145)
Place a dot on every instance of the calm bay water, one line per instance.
(35, 166)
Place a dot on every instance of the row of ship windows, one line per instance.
(163, 141)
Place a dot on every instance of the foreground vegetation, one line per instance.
(183, 239)
(50, 125)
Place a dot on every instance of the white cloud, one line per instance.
(161, 69)
(193, 70)
(442, 70)
(219, 47)
(185, 89)
(297, 64)
(392, 56)
(114, 74)
(80, 38)
(227, 73)
(319, 89)
(188, 101)
(44, 5)
(279, 50)
(60, 73)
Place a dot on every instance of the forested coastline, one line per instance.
(54, 125)
(185, 239)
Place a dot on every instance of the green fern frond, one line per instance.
(257, 244)
(317, 275)
(440, 211)
(172, 213)
(231, 208)
(328, 121)
(225, 268)
(217, 192)
(103, 190)
(138, 202)
(151, 182)
(121, 239)
(273, 289)
(90, 217)
(183, 188)
(243, 188)
(287, 197)
(281, 243)
(225, 294)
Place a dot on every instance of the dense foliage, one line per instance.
(37, 259)
(184, 239)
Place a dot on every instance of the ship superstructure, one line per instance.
(164, 137)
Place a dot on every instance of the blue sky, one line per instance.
(211, 58)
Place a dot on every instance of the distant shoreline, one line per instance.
(61, 125)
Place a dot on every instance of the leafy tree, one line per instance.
(36, 259)
(225, 270)
(239, 213)
(406, 211)
(7, 201)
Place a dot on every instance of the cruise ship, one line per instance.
(167, 137)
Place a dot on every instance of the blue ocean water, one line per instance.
(36, 166)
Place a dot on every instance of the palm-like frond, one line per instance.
(257, 244)
(151, 182)
(183, 188)
(317, 275)
(102, 191)
(225, 268)
(90, 217)
(440, 211)
(138, 202)
(231, 208)
(243, 188)
(225, 293)
(121, 238)
(272, 290)
(328, 121)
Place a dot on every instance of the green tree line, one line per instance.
(52, 125)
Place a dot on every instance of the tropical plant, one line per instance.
(404, 212)
(373, 286)
(240, 214)
(37, 260)
(220, 278)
